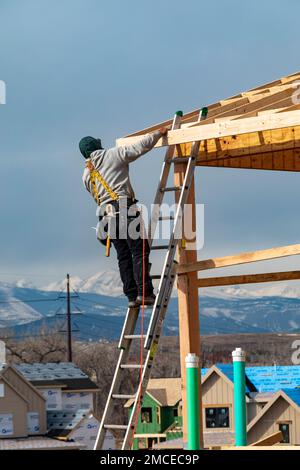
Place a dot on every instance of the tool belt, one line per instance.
(116, 218)
(111, 209)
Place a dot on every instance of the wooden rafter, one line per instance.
(260, 126)
(268, 92)
(225, 129)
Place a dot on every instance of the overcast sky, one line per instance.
(90, 67)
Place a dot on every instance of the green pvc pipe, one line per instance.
(239, 380)
(192, 390)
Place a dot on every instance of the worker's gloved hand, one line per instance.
(163, 130)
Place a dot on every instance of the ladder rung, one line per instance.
(134, 336)
(115, 426)
(159, 247)
(170, 188)
(179, 160)
(131, 366)
(166, 217)
(119, 396)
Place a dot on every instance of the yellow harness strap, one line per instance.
(94, 176)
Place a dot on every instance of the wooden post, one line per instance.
(189, 324)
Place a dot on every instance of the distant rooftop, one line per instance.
(265, 378)
(50, 370)
(36, 443)
(64, 374)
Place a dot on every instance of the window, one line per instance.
(217, 417)
(285, 429)
(146, 415)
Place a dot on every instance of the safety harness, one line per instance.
(94, 177)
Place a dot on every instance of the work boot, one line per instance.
(133, 303)
(149, 300)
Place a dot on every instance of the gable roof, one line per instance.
(285, 394)
(14, 389)
(5, 367)
(255, 129)
(166, 391)
(226, 372)
(64, 374)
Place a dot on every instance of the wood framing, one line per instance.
(224, 128)
(274, 438)
(248, 279)
(241, 258)
(255, 129)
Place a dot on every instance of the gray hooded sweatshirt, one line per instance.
(113, 165)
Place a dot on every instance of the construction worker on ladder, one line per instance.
(106, 177)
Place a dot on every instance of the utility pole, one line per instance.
(69, 323)
(67, 326)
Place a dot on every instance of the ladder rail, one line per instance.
(123, 356)
(129, 436)
(170, 255)
(159, 195)
(124, 346)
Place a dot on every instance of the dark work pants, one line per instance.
(130, 260)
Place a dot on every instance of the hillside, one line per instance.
(97, 315)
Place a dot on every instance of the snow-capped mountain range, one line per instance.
(25, 308)
(108, 283)
(103, 283)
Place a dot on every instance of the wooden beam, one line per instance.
(188, 308)
(240, 258)
(285, 160)
(269, 440)
(281, 160)
(224, 129)
(247, 144)
(248, 279)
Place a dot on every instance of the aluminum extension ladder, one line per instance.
(166, 282)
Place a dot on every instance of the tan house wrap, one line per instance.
(24, 402)
(14, 404)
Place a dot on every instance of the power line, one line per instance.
(28, 301)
